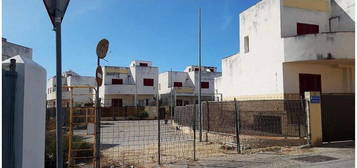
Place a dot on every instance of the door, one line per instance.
(117, 102)
(309, 82)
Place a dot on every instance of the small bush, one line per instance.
(132, 117)
(143, 115)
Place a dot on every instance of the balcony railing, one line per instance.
(129, 89)
(334, 45)
(120, 89)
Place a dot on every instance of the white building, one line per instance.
(135, 85)
(81, 96)
(23, 97)
(181, 87)
(291, 46)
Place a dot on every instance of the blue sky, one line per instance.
(162, 31)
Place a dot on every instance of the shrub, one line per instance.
(143, 115)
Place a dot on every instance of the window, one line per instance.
(303, 28)
(143, 64)
(246, 44)
(117, 102)
(177, 84)
(204, 85)
(148, 82)
(117, 81)
(197, 69)
(178, 102)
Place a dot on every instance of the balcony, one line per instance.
(119, 89)
(184, 90)
(129, 89)
(322, 46)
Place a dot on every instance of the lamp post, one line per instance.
(56, 10)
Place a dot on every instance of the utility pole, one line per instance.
(199, 73)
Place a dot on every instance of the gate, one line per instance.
(338, 117)
(8, 115)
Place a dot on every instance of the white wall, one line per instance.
(30, 113)
(258, 72)
(291, 16)
(345, 10)
(205, 77)
(348, 6)
(165, 79)
(140, 73)
(82, 95)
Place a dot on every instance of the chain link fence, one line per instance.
(146, 136)
(250, 124)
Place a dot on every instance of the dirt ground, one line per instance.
(135, 144)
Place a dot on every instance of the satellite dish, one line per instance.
(102, 48)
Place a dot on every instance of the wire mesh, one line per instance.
(262, 123)
(130, 135)
(127, 139)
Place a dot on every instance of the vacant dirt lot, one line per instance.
(135, 143)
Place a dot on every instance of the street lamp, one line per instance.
(56, 10)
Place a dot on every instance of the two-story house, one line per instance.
(180, 88)
(135, 85)
(288, 47)
(81, 96)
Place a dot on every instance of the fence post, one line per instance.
(237, 125)
(207, 104)
(299, 117)
(158, 129)
(194, 131)
(307, 110)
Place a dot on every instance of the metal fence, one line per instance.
(250, 124)
(147, 136)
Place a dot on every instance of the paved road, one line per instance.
(331, 156)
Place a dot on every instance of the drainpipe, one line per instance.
(329, 21)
